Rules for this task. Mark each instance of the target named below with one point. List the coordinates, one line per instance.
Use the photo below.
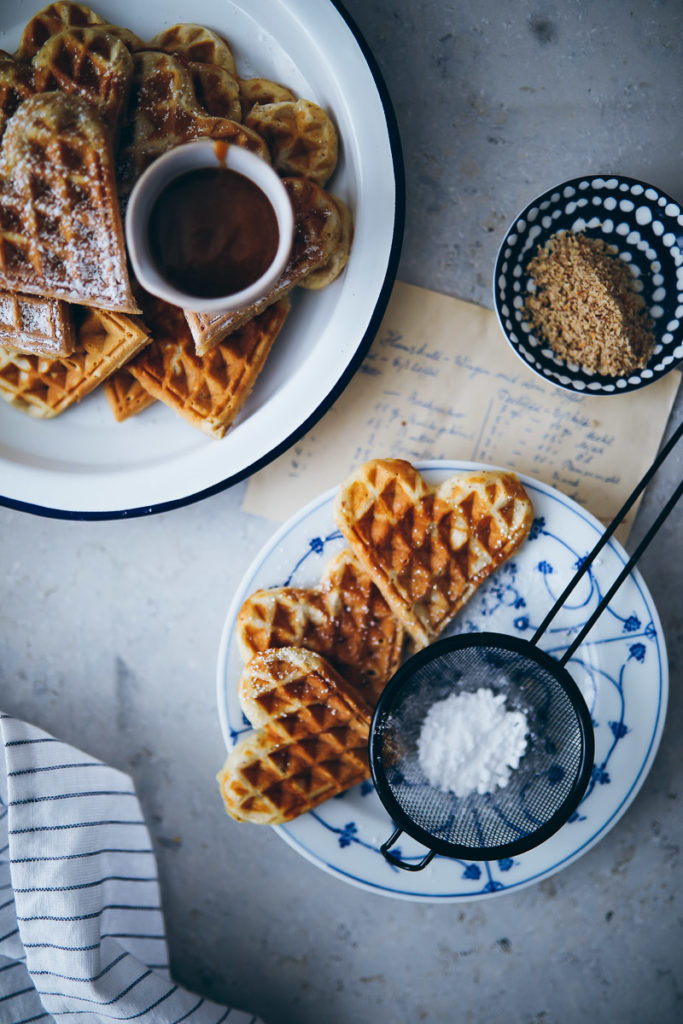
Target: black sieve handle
(396, 861)
(623, 574)
(613, 526)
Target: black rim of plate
(361, 351)
(645, 224)
(382, 712)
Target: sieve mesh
(541, 792)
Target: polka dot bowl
(644, 225)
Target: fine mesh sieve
(542, 792)
(554, 771)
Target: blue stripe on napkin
(81, 926)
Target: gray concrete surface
(109, 631)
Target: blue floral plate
(621, 669)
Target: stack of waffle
(318, 658)
(85, 107)
(310, 739)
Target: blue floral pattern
(620, 668)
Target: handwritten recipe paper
(440, 382)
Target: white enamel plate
(621, 668)
(83, 464)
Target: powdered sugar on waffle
(61, 234)
(30, 323)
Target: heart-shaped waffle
(344, 618)
(301, 138)
(60, 226)
(428, 549)
(208, 391)
(196, 43)
(89, 62)
(164, 112)
(53, 19)
(311, 739)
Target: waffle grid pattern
(209, 390)
(34, 325)
(344, 618)
(60, 228)
(310, 744)
(56, 17)
(301, 137)
(165, 113)
(126, 397)
(426, 549)
(91, 63)
(196, 44)
(44, 387)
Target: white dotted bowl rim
(522, 235)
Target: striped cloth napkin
(81, 928)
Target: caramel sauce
(212, 232)
(220, 148)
